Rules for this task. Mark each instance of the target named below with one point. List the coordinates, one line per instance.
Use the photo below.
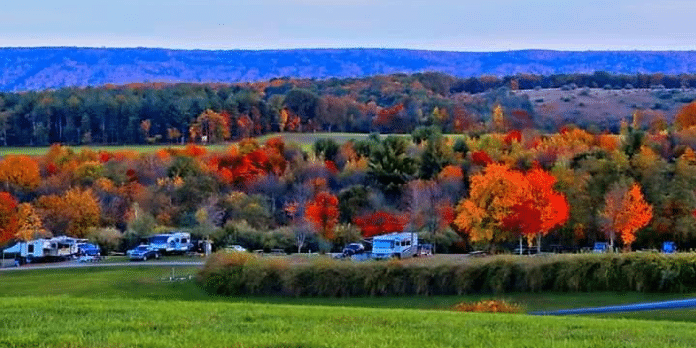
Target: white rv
(53, 249)
(171, 243)
(399, 245)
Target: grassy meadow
(139, 306)
(69, 322)
(152, 283)
(303, 140)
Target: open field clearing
(62, 321)
(41, 150)
(304, 140)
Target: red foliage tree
(481, 158)
(9, 220)
(388, 117)
(513, 136)
(380, 222)
(322, 212)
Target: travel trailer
(171, 243)
(399, 245)
(51, 249)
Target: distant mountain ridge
(23, 69)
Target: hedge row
(245, 274)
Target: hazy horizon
(345, 48)
(491, 26)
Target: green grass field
(70, 322)
(140, 307)
(151, 282)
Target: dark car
(143, 252)
(353, 249)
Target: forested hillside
(24, 69)
(629, 181)
(399, 103)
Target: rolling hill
(23, 69)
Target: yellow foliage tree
(498, 118)
(83, 211)
(30, 224)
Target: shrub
(237, 274)
(492, 306)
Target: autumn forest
(468, 163)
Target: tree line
(171, 113)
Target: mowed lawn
(80, 322)
(153, 283)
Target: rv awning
(16, 249)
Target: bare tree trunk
(539, 243)
(520, 244)
(611, 241)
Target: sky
(483, 25)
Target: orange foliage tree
(625, 211)
(493, 194)
(504, 202)
(9, 221)
(322, 212)
(74, 213)
(686, 117)
(20, 171)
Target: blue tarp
(635, 307)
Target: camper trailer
(171, 243)
(399, 245)
(53, 249)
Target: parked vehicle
(236, 248)
(669, 248)
(142, 252)
(49, 249)
(398, 245)
(171, 243)
(425, 250)
(601, 247)
(353, 249)
(88, 249)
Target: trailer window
(30, 248)
(383, 244)
(183, 240)
(158, 239)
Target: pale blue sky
(483, 25)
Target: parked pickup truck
(143, 252)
